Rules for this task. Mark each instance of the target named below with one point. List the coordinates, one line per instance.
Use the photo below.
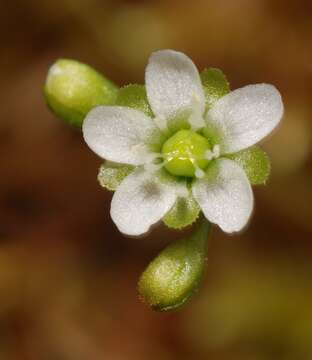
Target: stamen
(216, 151)
(199, 173)
(214, 154)
(209, 155)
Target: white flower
(235, 122)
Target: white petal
(173, 84)
(225, 195)
(141, 200)
(245, 116)
(120, 134)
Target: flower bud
(72, 89)
(175, 274)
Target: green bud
(215, 85)
(72, 89)
(255, 162)
(175, 274)
(134, 96)
(111, 174)
(184, 213)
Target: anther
(214, 154)
(199, 173)
(209, 155)
(216, 151)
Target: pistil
(184, 154)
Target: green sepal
(175, 274)
(255, 162)
(184, 212)
(72, 89)
(111, 174)
(215, 85)
(134, 96)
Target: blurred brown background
(67, 277)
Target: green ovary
(184, 152)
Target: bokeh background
(67, 277)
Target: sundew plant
(181, 148)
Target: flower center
(185, 153)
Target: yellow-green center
(185, 152)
